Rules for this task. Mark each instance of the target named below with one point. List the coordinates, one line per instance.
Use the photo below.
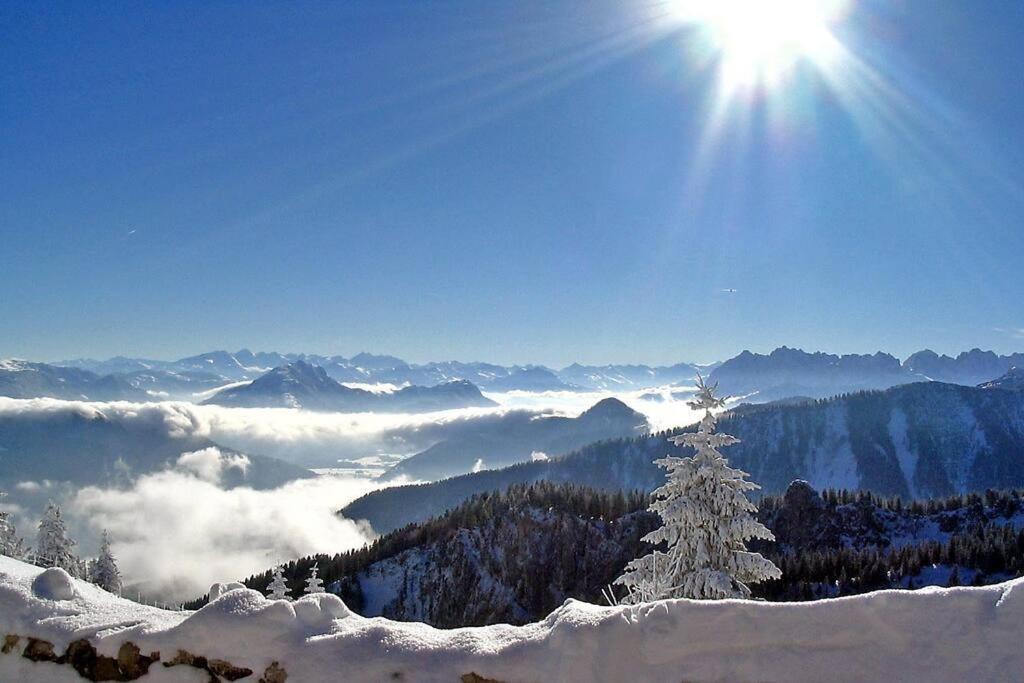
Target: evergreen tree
(313, 583)
(10, 544)
(278, 589)
(53, 547)
(707, 520)
(103, 570)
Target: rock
(53, 584)
(39, 651)
(227, 670)
(10, 642)
(273, 674)
(472, 677)
(132, 663)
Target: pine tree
(313, 583)
(53, 547)
(706, 521)
(103, 570)
(10, 544)
(278, 589)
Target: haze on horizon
(509, 183)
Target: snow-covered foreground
(931, 634)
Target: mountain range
(518, 436)
(915, 440)
(301, 385)
(785, 372)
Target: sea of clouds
(178, 530)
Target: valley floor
(931, 634)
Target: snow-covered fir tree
(10, 544)
(53, 546)
(278, 589)
(103, 570)
(313, 583)
(700, 550)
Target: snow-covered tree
(313, 583)
(278, 589)
(10, 544)
(700, 550)
(103, 570)
(53, 547)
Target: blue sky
(515, 182)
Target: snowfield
(931, 634)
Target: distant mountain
(915, 440)
(1013, 380)
(371, 368)
(791, 372)
(627, 377)
(22, 379)
(301, 385)
(518, 436)
(89, 448)
(529, 379)
(970, 367)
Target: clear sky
(508, 181)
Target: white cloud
(537, 456)
(209, 464)
(175, 534)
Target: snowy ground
(931, 634)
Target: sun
(758, 42)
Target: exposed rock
(39, 651)
(132, 663)
(10, 642)
(227, 670)
(472, 677)
(217, 668)
(274, 674)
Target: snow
(54, 584)
(931, 634)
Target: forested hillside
(515, 556)
(915, 441)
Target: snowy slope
(931, 634)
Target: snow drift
(935, 634)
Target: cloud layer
(176, 532)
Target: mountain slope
(916, 440)
(301, 385)
(516, 437)
(22, 379)
(969, 367)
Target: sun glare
(758, 42)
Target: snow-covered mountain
(1013, 380)
(915, 440)
(55, 628)
(301, 385)
(969, 367)
(789, 372)
(629, 377)
(22, 379)
(518, 436)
